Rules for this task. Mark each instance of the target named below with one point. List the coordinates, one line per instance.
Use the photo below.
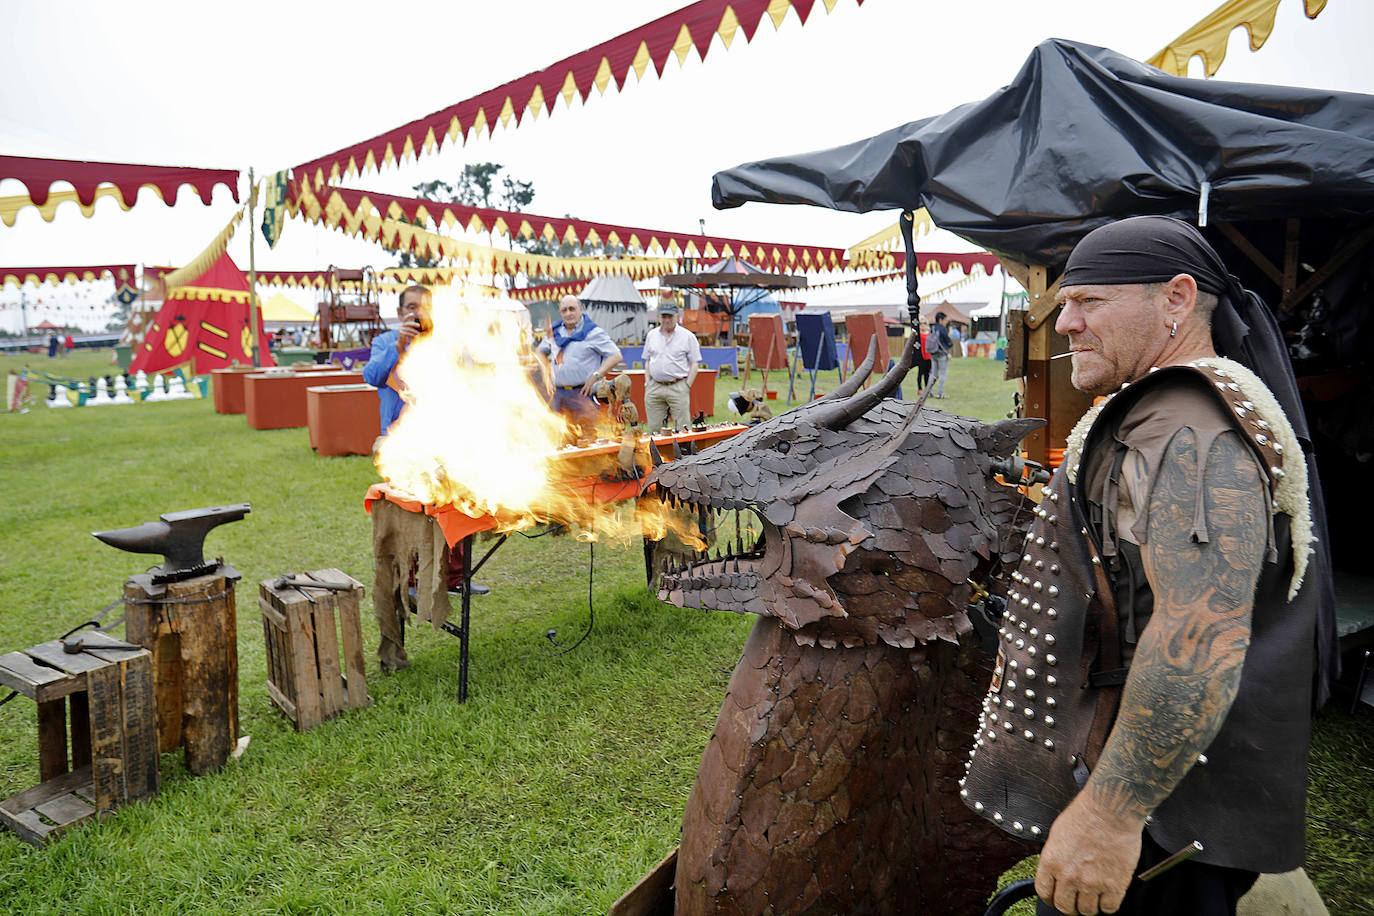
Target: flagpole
(252, 270)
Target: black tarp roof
(1084, 136)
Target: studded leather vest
(1060, 667)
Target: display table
(228, 384)
(703, 397)
(343, 419)
(277, 400)
(408, 533)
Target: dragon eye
(783, 447)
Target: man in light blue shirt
(386, 353)
(579, 354)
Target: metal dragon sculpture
(831, 781)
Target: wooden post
(190, 627)
(253, 323)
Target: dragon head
(872, 515)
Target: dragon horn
(855, 406)
(859, 376)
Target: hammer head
(179, 537)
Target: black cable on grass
(552, 635)
(1346, 827)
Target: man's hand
(589, 386)
(1088, 858)
(408, 331)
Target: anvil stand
(190, 627)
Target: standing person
(923, 360)
(1174, 554)
(387, 349)
(939, 344)
(52, 344)
(671, 355)
(580, 353)
(69, 345)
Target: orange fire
(477, 433)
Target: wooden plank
(21, 673)
(282, 701)
(351, 630)
(65, 810)
(107, 739)
(79, 709)
(302, 634)
(1248, 248)
(652, 895)
(52, 739)
(25, 823)
(327, 655)
(53, 654)
(143, 764)
(67, 782)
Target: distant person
(939, 345)
(671, 355)
(923, 359)
(69, 344)
(387, 348)
(578, 353)
(956, 338)
(52, 344)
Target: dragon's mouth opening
(740, 537)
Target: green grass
(552, 790)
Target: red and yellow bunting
(348, 208)
(123, 274)
(573, 78)
(91, 180)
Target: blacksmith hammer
(179, 537)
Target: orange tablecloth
(228, 384)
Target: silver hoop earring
(1174, 331)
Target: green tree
(480, 184)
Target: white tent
(615, 304)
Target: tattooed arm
(1184, 676)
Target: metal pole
(252, 270)
(465, 555)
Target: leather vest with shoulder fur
(1075, 605)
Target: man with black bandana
(1154, 681)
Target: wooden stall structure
(98, 704)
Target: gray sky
(272, 84)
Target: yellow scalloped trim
(1209, 36)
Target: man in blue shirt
(581, 354)
(939, 344)
(386, 353)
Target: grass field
(552, 790)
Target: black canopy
(1084, 136)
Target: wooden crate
(314, 649)
(103, 698)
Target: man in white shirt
(671, 355)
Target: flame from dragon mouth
(722, 567)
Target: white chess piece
(141, 381)
(176, 388)
(121, 395)
(60, 398)
(159, 390)
(102, 394)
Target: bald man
(579, 354)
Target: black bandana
(1155, 249)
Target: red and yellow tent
(204, 322)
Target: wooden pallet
(314, 649)
(103, 698)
